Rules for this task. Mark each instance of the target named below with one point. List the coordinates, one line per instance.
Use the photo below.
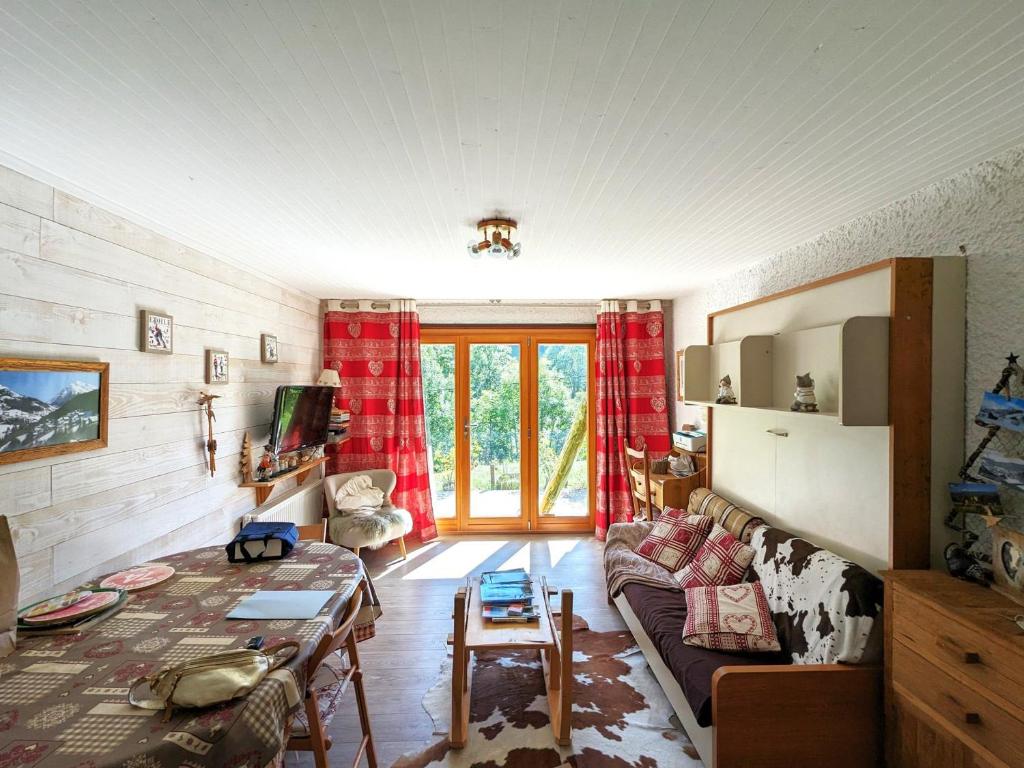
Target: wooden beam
(910, 413)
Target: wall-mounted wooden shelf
(849, 362)
(264, 488)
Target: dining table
(64, 696)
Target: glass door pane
(494, 431)
(437, 362)
(563, 487)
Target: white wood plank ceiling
(347, 148)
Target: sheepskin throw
(371, 530)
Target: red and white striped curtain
(631, 399)
(375, 348)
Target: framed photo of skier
(157, 332)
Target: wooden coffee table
(474, 633)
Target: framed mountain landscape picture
(51, 407)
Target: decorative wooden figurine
(206, 402)
(265, 469)
(725, 394)
(805, 401)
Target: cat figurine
(805, 401)
(725, 394)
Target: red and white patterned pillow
(721, 560)
(730, 618)
(675, 538)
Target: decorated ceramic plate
(99, 600)
(51, 604)
(135, 579)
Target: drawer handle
(968, 657)
(972, 718)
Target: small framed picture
(680, 376)
(268, 348)
(157, 332)
(1008, 562)
(216, 366)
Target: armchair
(374, 529)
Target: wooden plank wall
(74, 280)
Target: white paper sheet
(280, 604)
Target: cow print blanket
(620, 714)
(826, 609)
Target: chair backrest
(332, 641)
(384, 479)
(638, 472)
(315, 532)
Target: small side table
(474, 633)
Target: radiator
(302, 506)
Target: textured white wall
(981, 208)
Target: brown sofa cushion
(736, 520)
(663, 616)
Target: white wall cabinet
(849, 362)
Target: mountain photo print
(45, 411)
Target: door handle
(778, 432)
(466, 427)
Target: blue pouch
(262, 541)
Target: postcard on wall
(50, 407)
(999, 411)
(1002, 469)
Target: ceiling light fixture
(496, 239)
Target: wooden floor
(402, 662)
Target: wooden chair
(315, 532)
(638, 472)
(326, 681)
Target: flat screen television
(301, 417)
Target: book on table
(507, 596)
(515, 576)
(504, 594)
(514, 613)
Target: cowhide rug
(620, 714)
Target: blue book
(515, 576)
(504, 594)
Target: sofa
(817, 702)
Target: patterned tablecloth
(63, 698)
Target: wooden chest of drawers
(954, 674)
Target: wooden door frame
(587, 336)
(529, 521)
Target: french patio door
(510, 423)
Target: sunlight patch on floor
(559, 548)
(521, 559)
(394, 565)
(458, 560)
